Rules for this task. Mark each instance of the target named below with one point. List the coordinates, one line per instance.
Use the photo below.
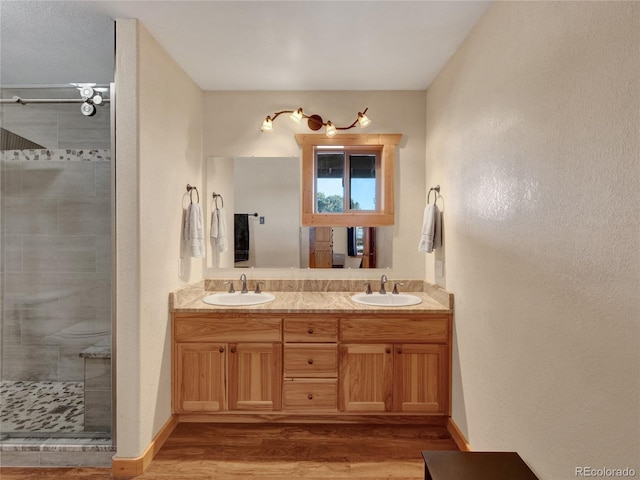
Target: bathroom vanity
(310, 355)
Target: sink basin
(386, 299)
(238, 299)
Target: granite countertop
(310, 296)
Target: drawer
(310, 330)
(197, 328)
(311, 395)
(433, 329)
(310, 360)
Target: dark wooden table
(448, 465)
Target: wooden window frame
(385, 215)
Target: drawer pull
(310, 331)
(310, 361)
(221, 349)
(310, 396)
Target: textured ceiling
(243, 45)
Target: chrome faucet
(383, 280)
(243, 279)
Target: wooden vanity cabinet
(226, 363)
(410, 375)
(312, 364)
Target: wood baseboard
(132, 467)
(329, 418)
(457, 436)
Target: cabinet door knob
(310, 361)
(221, 349)
(310, 396)
(399, 350)
(310, 331)
(233, 350)
(388, 350)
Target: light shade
(363, 120)
(331, 130)
(296, 116)
(267, 125)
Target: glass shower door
(55, 211)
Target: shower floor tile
(41, 407)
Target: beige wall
(159, 144)
(532, 132)
(232, 128)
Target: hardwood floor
(283, 451)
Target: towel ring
(215, 199)
(190, 189)
(436, 189)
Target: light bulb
(331, 130)
(296, 116)
(267, 125)
(363, 120)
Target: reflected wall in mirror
(270, 187)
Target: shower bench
(97, 387)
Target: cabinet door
(200, 377)
(255, 376)
(365, 378)
(421, 379)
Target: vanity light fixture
(315, 122)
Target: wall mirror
(262, 204)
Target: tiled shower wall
(56, 239)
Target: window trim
(384, 215)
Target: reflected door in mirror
(320, 247)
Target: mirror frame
(384, 216)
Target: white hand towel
(215, 223)
(431, 236)
(219, 229)
(194, 230)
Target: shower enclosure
(56, 268)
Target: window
(348, 179)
